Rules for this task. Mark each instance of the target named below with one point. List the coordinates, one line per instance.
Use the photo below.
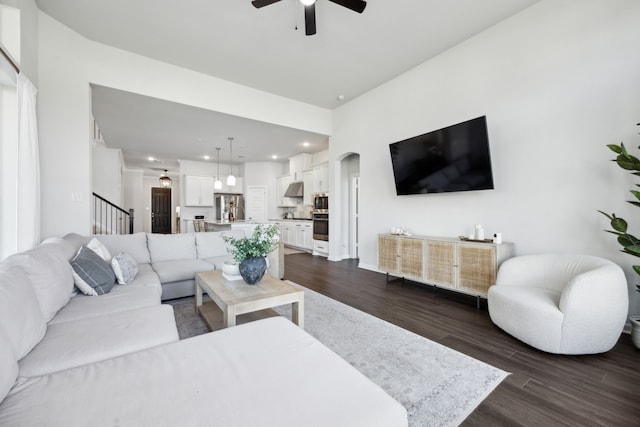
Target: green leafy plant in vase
(250, 252)
(620, 227)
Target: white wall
(557, 82)
(27, 40)
(107, 173)
(65, 130)
(134, 197)
(69, 63)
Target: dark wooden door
(161, 210)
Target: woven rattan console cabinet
(468, 267)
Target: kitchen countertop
(292, 220)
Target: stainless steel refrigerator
(229, 207)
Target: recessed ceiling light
(340, 97)
(274, 157)
(151, 159)
(306, 144)
(206, 157)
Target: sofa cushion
(238, 376)
(77, 240)
(71, 344)
(20, 313)
(121, 298)
(124, 267)
(8, 366)
(186, 269)
(133, 244)
(211, 245)
(169, 247)
(146, 277)
(92, 271)
(65, 247)
(47, 268)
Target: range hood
(295, 189)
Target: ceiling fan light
(307, 2)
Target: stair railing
(109, 218)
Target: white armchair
(561, 303)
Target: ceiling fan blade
(355, 5)
(310, 19)
(262, 3)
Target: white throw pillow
(98, 247)
(125, 268)
(84, 287)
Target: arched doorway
(349, 205)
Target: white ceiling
(146, 127)
(260, 48)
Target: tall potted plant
(630, 244)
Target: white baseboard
(370, 267)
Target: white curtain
(28, 224)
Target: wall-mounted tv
(455, 158)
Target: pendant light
(231, 180)
(218, 184)
(165, 181)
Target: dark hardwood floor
(542, 390)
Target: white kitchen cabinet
(198, 190)
(321, 178)
(238, 188)
(298, 164)
(282, 185)
(297, 234)
(304, 236)
(286, 231)
(307, 179)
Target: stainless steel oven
(321, 226)
(321, 202)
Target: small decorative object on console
(263, 240)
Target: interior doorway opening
(349, 205)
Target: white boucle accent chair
(561, 303)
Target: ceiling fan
(310, 10)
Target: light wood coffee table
(235, 297)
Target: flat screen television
(455, 158)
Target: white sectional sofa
(174, 258)
(68, 359)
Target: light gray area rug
(437, 385)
